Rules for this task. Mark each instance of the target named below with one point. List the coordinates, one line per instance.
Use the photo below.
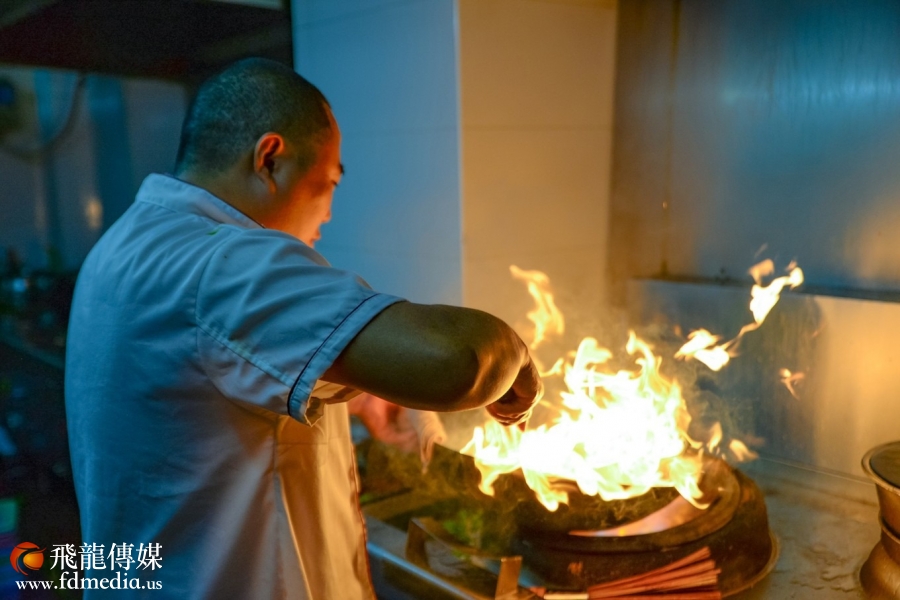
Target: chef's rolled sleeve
(272, 316)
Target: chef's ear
(268, 150)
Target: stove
(823, 524)
(733, 529)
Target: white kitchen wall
(537, 96)
(388, 68)
(477, 134)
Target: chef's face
(313, 190)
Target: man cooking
(211, 351)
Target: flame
(701, 344)
(763, 298)
(545, 316)
(761, 269)
(616, 433)
(556, 369)
(715, 437)
(789, 379)
(741, 452)
(619, 434)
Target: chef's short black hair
(232, 109)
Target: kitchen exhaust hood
(172, 39)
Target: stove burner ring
(678, 512)
(722, 491)
(735, 528)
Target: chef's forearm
(432, 357)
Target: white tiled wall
(389, 71)
(537, 64)
(520, 89)
(536, 100)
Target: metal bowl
(880, 575)
(882, 465)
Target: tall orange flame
(618, 433)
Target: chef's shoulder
(257, 249)
(264, 271)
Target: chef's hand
(514, 407)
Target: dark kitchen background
(643, 153)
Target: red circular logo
(26, 556)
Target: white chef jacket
(196, 341)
